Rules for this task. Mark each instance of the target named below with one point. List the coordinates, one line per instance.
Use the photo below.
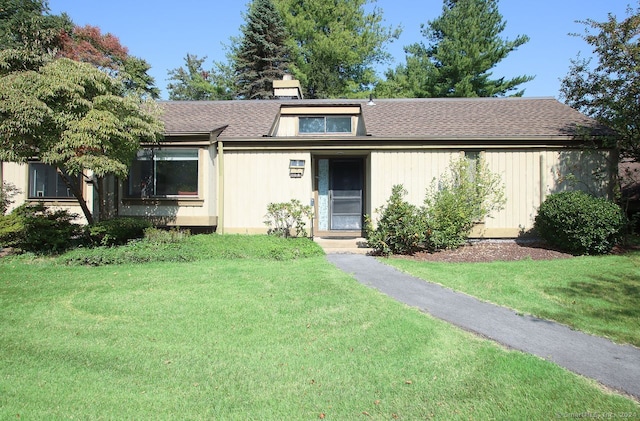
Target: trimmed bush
(401, 227)
(117, 231)
(34, 228)
(579, 223)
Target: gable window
(45, 182)
(164, 172)
(328, 124)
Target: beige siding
(255, 179)
(528, 176)
(415, 170)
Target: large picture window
(328, 124)
(46, 183)
(164, 172)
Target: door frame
(327, 232)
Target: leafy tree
(193, 83)
(87, 44)
(335, 45)
(262, 55)
(464, 45)
(74, 117)
(609, 91)
(27, 24)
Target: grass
(594, 294)
(253, 338)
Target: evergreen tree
(335, 45)
(465, 45)
(262, 55)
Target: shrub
(401, 227)
(580, 223)
(288, 219)
(170, 236)
(35, 228)
(117, 231)
(7, 192)
(469, 193)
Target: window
(164, 172)
(329, 124)
(45, 182)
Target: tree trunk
(77, 193)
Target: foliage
(288, 219)
(116, 231)
(579, 223)
(88, 45)
(609, 90)
(7, 192)
(27, 24)
(262, 55)
(469, 193)
(193, 83)
(335, 44)
(75, 117)
(178, 246)
(465, 44)
(35, 228)
(401, 227)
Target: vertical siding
(415, 170)
(519, 169)
(253, 179)
(18, 175)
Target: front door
(340, 194)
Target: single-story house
(222, 162)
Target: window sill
(186, 200)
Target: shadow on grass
(609, 302)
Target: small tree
(466, 195)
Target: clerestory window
(322, 125)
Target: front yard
(246, 337)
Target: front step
(343, 245)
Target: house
(222, 162)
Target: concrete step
(343, 245)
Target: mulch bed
(489, 251)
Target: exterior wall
(529, 175)
(253, 179)
(18, 175)
(199, 211)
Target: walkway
(616, 366)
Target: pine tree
(465, 45)
(262, 55)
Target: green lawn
(595, 294)
(253, 338)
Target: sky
(162, 32)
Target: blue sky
(163, 32)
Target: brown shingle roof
(390, 118)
